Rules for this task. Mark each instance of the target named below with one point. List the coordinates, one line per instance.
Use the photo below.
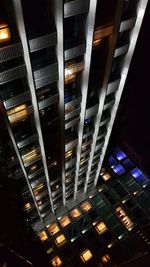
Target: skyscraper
(63, 69)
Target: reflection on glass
(86, 206)
(75, 213)
(53, 229)
(101, 228)
(60, 240)
(86, 255)
(43, 236)
(65, 221)
(5, 35)
(17, 114)
(124, 218)
(56, 261)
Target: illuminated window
(101, 228)
(17, 114)
(43, 236)
(124, 218)
(106, 176)
(53, 229)
(37, 189)
(106, 258)
(65, 221)
(68, 154)
(29, 156)
(49, 251)
(86, 255)
(60, 240)
(86, 206)
(56, 261)
(34, 167)
(27, 206)
(75, 213)
(97, 43)
(5, 35)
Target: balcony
(19, 113)
(12, 74)
(100, 33)
(75, 52)
(71, 70)
(127, 24)
(17, 100)
(72, 112)
(121, 50)
(113, 86)
(42, 42)
(91, 111)
(10, 52)
(32, 156)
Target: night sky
(132, 126)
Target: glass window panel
(105, 258)
(65, 221)
(124, 218)
(101, 228)
(43, 236)
(106, 176)
(53, 229)
(56, 261)
(75, 213)
(86, 206)
(86, 255)
(60, 240)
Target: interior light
(56, 261)
(86, 255)
(4, 33)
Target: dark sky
(132, 126)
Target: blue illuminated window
(118, 169)
(119, 154)
(139, 176)
(112, 161)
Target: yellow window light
(106, 258)
(53, 229)
(75, 213)
(68, 154)
(27, 206)
(43, 236)
(124, 218)
(106, 176)
(65, 221)
(86, 206)
(17, 114)
(60, 240)
(101, 228)
(56, 261)
(5, 35)
(29, 156)
(38, 188)
(86, 255)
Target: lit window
(86, 206)
(56, 261)
(75, 213)
(68, 154)
(37, 189)
(34, 167)
(119, 154)
(86, 255)
(97, 42)
(139, 176)
(27, 206)
(49, 251)
(17, 114)
(29, 156)
(124, 218)
(106, 176)
(43, 236)
(106, 258)
(60, 240)
(53, 229)
(65, 221)
(118, 169)
(4, 33)
(101, 228)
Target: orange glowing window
(75, 213)
(101, 228)
(124, 218)
(86, 206)
(65, 221)
(56, 261)
(37, 189)
(43, 236)
(60, 240)
(86, 255)
(27, 206)
(29, 156)
(106, 176)
(5, 35)
(68, 154)
(53, 229)
(106, 258)
(17, 114)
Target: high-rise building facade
(63, 67)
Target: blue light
(118, 169)
(139, 176)
(119, 154)
(112, 161)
